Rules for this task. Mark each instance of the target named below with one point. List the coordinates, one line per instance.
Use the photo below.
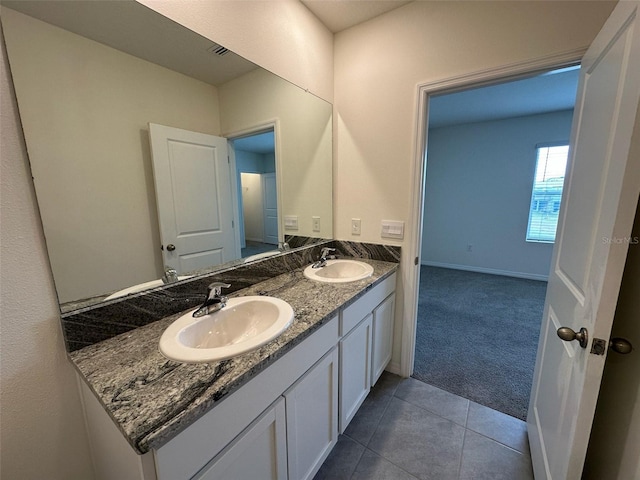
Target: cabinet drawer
(354, 313)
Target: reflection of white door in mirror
(270, 208)
(193, 191)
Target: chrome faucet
(324, 256)
(215, 300)
(170, 275)
(283, 246)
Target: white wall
(282, 36)
(85, 110)
(378, 67)
(42, 432)
(478, 192)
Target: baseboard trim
(393, 367)
(491, 271)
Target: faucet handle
(170, 275)
(326, 251)
(215, 289)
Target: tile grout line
(359, 460)
(464, 439)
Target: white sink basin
(244, 324)
(339, 271)
(259, 256)
(140, 287)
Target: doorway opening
(255, 160)
(482, 272)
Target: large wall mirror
(112, 97)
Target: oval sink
(244, 324)
(339, 271)
(259, 256)
(140, 287)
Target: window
(551, 165)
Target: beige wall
(85, 109)
(303, 143)
(378, 67)
(282, 36)
(42, 433)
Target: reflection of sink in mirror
(140, 287)
(339, 271)
(244, 324)
(258, 256)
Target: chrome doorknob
(567, 334)
(620, 345)
(171, 247)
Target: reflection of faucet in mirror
(215, 300)
(283, 246)
(324, 256)
(170, 275)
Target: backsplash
(94, 324)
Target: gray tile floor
(407, 430)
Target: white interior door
(193, 191)
(270, 208)
(602, 187)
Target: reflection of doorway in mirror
(258, 199)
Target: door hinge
(228, 160)
(233, 224)
(416, 261)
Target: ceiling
(166, 43)
(161, 41)
(548, 92)
(338, 15)
(261, 143)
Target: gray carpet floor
(477, 336)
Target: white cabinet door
(382, 337)
(259, 452)
(312, 417)
(355, 370)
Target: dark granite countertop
(151, 399)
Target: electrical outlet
(316, 223)
(355, 226)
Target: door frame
(266, 126)
(410, 263)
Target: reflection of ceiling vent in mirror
(218, 50)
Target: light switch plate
(355, 226)
(291, 222)
(392, 229)
(316, 223)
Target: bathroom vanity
(272, 413)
